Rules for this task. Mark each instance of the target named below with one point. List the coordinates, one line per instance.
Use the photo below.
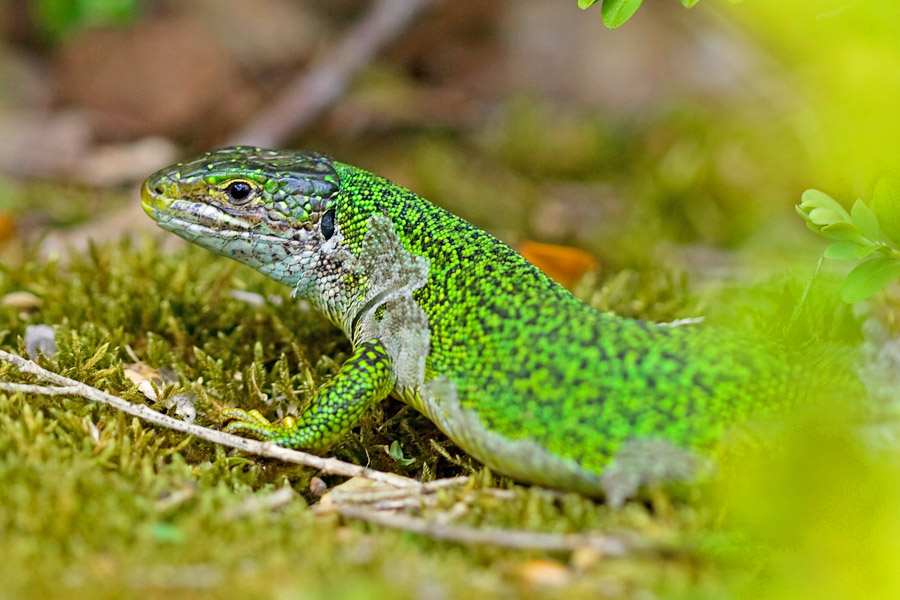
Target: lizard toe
(239, 415)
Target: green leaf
(806, 219)
(863, 217)
(396, 452)
(812, 199)
(825, 216)
(689, 3)
(864, 251)
(844, 231)
(869, 277)
(842, 250)
(616, 12)
(583, 4)
(886, 206)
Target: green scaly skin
(511, 366)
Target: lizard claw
(252, 422)
(245, 416)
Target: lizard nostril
(159, 189)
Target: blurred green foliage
(842, 59)
(57, 19)
(815, 509)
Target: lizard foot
(255, 425)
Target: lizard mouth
(196, 221)
(152, 202)
(210, 225)
(161, 202)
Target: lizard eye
(239, 191)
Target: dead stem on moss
(69, 387)
(489, 536)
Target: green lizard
(515, 370)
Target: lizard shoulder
(393, 274)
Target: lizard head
(268, 209)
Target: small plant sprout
(867, 234)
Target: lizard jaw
(152, 203)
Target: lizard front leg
(365, 378)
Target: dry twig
(69, 387)
(306, 98)
(491, 536)
(379, 494)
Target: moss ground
(96, 504)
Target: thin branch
(37, 390)
(388, 498)
(372, 495)
(71, 387)
(327, 78)
(489, 536)
(798, 309)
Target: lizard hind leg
(365, 378)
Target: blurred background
(685, 135)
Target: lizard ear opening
(327, 224)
